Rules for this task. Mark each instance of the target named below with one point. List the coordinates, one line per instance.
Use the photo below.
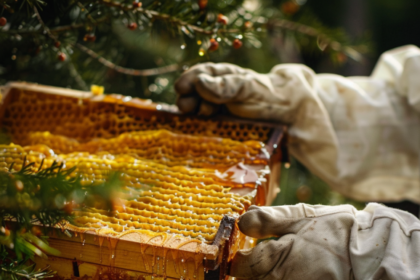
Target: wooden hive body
(98, 253)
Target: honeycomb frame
(88, 120)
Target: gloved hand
(329, 242)
(360, 135)
(248, 94)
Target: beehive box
(195, 177)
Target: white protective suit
(360, 134)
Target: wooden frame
(82, 252)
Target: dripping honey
(174, 162)
(171, 198)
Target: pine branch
(151, 14)
(324, 41)
(105, 62)
(128, 71)
(46, 39)
(46, 196)
(55, 30)
(27, 272)
(170, 19)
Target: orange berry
(62, 56)
(89, 38)
(136, 4)
(289, 8)
(202, 4)
(248, 24)
(3, 21)
(132, 26)
(214, 45)
(237, 43)
(222, 19)
(57, 44)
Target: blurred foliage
(40, 34)
(32, 200)
(299, 185)
(393, 23)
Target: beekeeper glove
(329, 242)
(273, 96)
(360, 135)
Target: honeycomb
(171, 199)
(183, 172)
(181, 176)
(164, 147)
(84, 119)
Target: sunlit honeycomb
(83, 119)
(179, 166)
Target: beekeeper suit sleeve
(361, 135)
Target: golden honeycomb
(84, 120)
(170, 198)
(184, 173)
(164, 147)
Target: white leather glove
(361, 135)
(329, 242)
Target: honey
(164, 147)
(108, 116)
(185, 179)
(169, 198)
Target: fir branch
(21, 271)
(151, 14)
(47, 195)
(46, 29)
(170, 19)
(42, 195)
(25, 195)
(91, 19)
(55, 30)
(44, 37)
(128, 71)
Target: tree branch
(58, 29)
(306, 30)
(128, 71)
(38, 16)
(165, 17)
(149, 13)
(78, 79)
